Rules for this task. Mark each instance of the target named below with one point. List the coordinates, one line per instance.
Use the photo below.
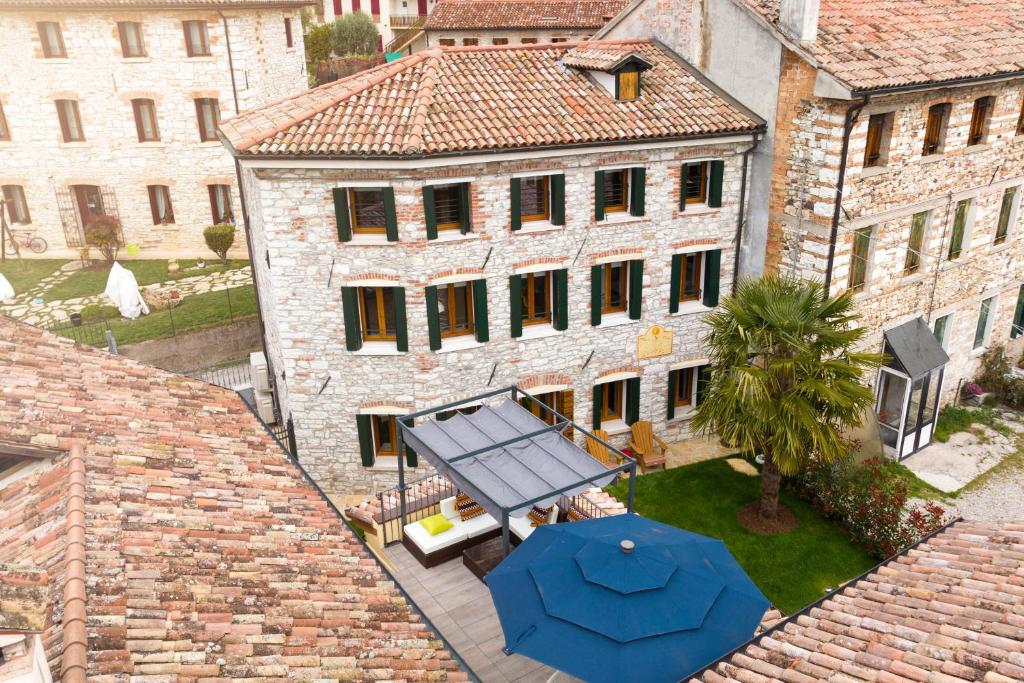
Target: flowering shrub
(104, 233)
(972, 389)
(870, 503)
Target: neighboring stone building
(490, 226)
(399, 22)
(111, 108)
(893, 164)
(504, 22)
(152, 529)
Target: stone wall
(104, 83)
(307, 267)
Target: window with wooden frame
(528, 41)
(614, 287)
(368, 214)
(450, 206)
(470, 42)
(537, 298)
(160, 204)
(859, 254)
(546, 405)
(915, 245)
(208, 118)
(627, 85)
(455, 309)
(197, 38)
(980, 117)
(616, 191)
(1006, 210)
(559, 40)
(51, 39)
(613, 395)
(983, 331)
(683, 396)
(935, 129)
(145, 120)
(499, 41)
(686, 387)
(377, 314)
(691, 280)
(956, 239)
(70, 120)
(534, 204)
(288, 41)
(695, 182)
(220, 203)
(461, 410)
(17, 207)
(877, 142)
(5, 131)
(385, 435)
(130, 33)
(446, 42)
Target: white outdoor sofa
(449, 544)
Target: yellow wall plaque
(655, 342)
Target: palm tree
(785, 377)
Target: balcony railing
(406, 21)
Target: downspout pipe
(741, 214)
(241, 201)
(851, 118)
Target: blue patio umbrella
(623, 598)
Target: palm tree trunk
(771, 481)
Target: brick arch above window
(451, 275)
(373, 280)
(539, 264)
(694, 245)
(619, 373)
(614, 255)
(548, 381)
(384, 408)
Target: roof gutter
(851, 118)
(969, 80)
(73, 661)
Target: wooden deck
(459, 605)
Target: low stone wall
(197, 349)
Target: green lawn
(197, 312)
(791, 569)
(24, 274)
(147, 272)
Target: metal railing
(406, 20)
(233, 374)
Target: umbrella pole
(632, 483)
(504, 531)
(401, 470)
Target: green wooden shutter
(715, 183)
(684, 176)
(636, 288)
(673, 382)
(515, 294)
(1018, 315)
(632, 400)
(350, 312)
(365, 430)
(465, 208)
(596, 285)
(480, 310)
(675, 282)
(390, 217)
(341, 216)
(514, 195)
(712, 276)
(598, 195)
(637, 180)
(429, 216)
(558, 199)
(433, 321)
(703, 378)
(561, 299)
(410, 454)
(596, 421)
(401, 333)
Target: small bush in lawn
(870, 502)
(219, 238)
(96, 312)
(103, 232)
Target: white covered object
(123, 291)
(6, 291)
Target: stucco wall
(486, 37)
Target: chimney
(799, 19)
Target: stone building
(504, 22)
(112, 109)
(399, 22)
(893, 165)
(537, 225)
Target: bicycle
(36, 244)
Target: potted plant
(76, 319)
(172, 265)
(200, 262)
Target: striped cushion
(574, 514)
(467, 507)
(539, 516)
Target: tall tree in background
(355, 34)
(786, 379)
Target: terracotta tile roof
(444, 101)
(208, 554)
(600, 57)
(148, 4)
(950, 609)
(522, 14)
(871, 44)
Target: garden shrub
(319, 42)
(219, 238)
(870, 502)
(104, 233)
(355, 34)
(97, 312)
(997, 378)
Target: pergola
(505, 457)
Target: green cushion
(436, 524)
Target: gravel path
(1000, 499)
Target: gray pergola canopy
(914, 348)
(514, 476)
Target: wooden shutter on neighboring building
(632, 400)
(350, 310)
(673, 379)
(341, 216)
(675, 281)
(637, 180)
(715, 183)
(596, 422)
(401, 333)
(564, 405)
(703, 377)
(365, 429)
(433, 319)
(465, 208)
(557, 199)
(599, 195)
(636, 288)
(515, 289)
(429, 217)
(561, 320)
(712, 276)
(480, 310)
(514, 196)
(596, 282)
(390, 218)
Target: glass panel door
(892, 393)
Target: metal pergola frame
(629, 464)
